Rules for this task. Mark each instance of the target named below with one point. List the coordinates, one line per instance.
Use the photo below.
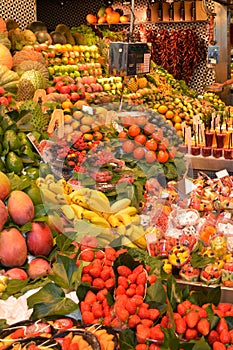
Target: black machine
(127, 59)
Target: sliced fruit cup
(61, 323)
(105, 335)
(84, 339)
(179, 256)
(227, 275)
(34, 343)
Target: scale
(129, 58)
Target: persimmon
(134, 130)
(128, 146)
(150, 157)
(141, 138)
(162, 156)
(151, 145)
(91, 19)
(122, 135)
(162, 109)
(139, 153)
(149, 128)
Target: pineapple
(132, 84)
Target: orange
(177, 119)
(134, 130)
(151, 145)
(162, 156)
(169, 114)
(162, 109)
(178, 126)
(67, 104)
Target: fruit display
(107, 15)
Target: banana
(99, 204)
(114, 221)
(68, 212)
(82, 191)
(124, 218)
(80, 200)
(39, 181)
(121, 230)
(141, 242)
(120, 205)
(98, 194)
(136, 219)
(68, 188)
(62, 198)
(56, 188)
(127, 242)
(130, 210)
(100, 222)
(49, 178)
(89, 214)
(48, 196)
(78, 210)
(102, 242)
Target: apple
(74, 96)
(2, 90)
(64, 89)
(73, 87)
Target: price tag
(222, 173)
(87, 109)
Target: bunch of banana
(52, 191)
(3, 283)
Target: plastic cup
(228, 153)
(220, 137)
(206, 151)
(217, 152)
(209, 137)
(195, 150)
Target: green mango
(32, 172)
(10, 141)
(13, 163)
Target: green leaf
(50, 300)
(64, 244)
(156, 293)
(63, 272)
(198, 260)
(201, 345)
(229, 320)
(201, 297)
(15, 286)
(40, 210)
(127, 260)
(82, 290)
(152, 261)
(171, 342)
(174, 292)
(26, 228)
(127, 339)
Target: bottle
(160, 11)
(193, 11)
(148, 12)
(171, 11)
(182, 11)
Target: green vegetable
(14, 163)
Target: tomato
(140, 139)
(162, 156)
(63, 323)
(139, 153)
(134, 130)
(128, 146)
(122, 135)
(151, 145)
(149, 128)
(150, 156)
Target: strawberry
(141, 279)
(120, 290)
(203, 313)
(107, 321)
(219, 313)
(86, 278)
(146, 322)
(181, 309)
(203, 326)
(123, 270)
(97, 263)
(218, 346)
(224, 336)
(97, 310)
(107, 262)
(88, 317)
(98, 283)
(130, 292)
(132, 277)
(86, 269)
(231, 335)
(224, 307)
(100, 296)
(133, 285)
(153, 346)
(152, 279)
(140, 290)
(213, 336)
(138, 269)
(116, 323)
(122, 281)
(107, 310)
(164, 322)
(156, 333)
(191, 334)
(154, 314)
(133, 321)
(141, 347)
(131, 307)
(105, 273)
(121, 251)
(138, 299)
(110, 253)
(222, 324)
(99, 254)
(230, 347)
(84, 306)
(95, 272)
(143, 312)
(90, 297)
(180, 326)
(121, 300)
(176, 315)
(121, 313)
(192, 318)
(110, 283)
(142, 333)
(187, 304)
(87, 255)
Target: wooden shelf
(209, 163)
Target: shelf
(209, 163)
(151, 22)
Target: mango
(16, 273)
(39, 239)
(20, 207)
(38, 267)
(3, 215)
(13, 248)
(5, 186)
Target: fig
(13, 248)
(38, 267)
(3, 214)
(20, 207)
(39, 239)
(16, 273)
(5, 186)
